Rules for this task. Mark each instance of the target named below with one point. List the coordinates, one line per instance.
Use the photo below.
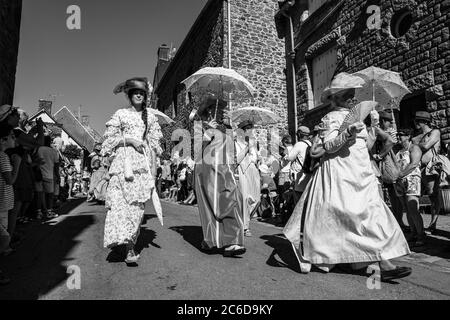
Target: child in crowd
(268, 193)
(70, 179)
(8, 175)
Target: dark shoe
(397, 273)
(234, 252)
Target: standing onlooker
(284, 205)
(70, 180)
(429, 141)
(51, 159)
(23, 187)
(299, 167)
(408, 185)
(383, 146)
(8, 175)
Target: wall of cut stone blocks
(257, 54)
(203, 49)
(421, 56)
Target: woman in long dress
(341, 215)
(218, 195)
(249, 177)
(132, 136)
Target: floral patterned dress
(125, 199)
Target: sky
(118, 40)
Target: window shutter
(323, 68)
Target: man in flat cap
(429, 141)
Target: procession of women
(340, 219)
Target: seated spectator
(265, 209)
(190, 182)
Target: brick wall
(10, 15)
(422, 55)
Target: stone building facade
(407, 36)
(256, 53)
(10, 16)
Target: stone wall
(258, 54)
(10, 16)
(422, 55)
(203, 47)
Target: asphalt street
(172, 266)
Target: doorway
(408, 108)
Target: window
(313, 5)
(323, 68)
(401, 23)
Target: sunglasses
(139, 93)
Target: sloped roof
(77, 130)
(55, 127)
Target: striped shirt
(6, 190)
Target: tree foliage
(72, 152)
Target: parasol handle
(373, 93)
(215, 113)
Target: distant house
(84, 135)
(56, 128)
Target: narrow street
(173, 267)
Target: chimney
(85, 120)
(46, 105)
(164, 52)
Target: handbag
(390, 170)
(439, 165)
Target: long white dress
(249, 181)
(341, 214)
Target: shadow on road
(41, 261)
(435, 247)
(283, 249)
(191, 234)
(146, 237)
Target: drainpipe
(291, 84)
(229, 32)
(290, 59)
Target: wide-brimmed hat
(140, 83)
(423, 115)
(244, 124)
(341, 82)
(5, 111)
(264, 168)
(208, 102)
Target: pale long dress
(341, 213)
(219, 197)
(249, 181)
(125, 199)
